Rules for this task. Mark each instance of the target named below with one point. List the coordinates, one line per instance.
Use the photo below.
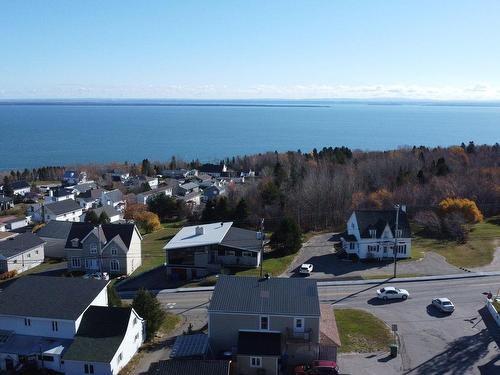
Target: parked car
(443, 304)
(97, 276)
(389, 292)
(306, 269)
(318, 368)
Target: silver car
(443, 304)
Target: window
(230, 253)
(352, 245)
(54, 326)
(114, 265)
(46, 358)
(298, 325)
(247, 253)
(401, 249)
(399, 233)
(264, 323)
(88, 369)
(373, 233)
(136, 337)
(255, 362)
(93, 248)
(372, 248)
(28, 255)
(27, 322)
(75, 263)
(113, 250)
(120, 357)
(36, 251)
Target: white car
(97, 276)
(443, 304)
(389, 292)
(306, 269)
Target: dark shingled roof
(278, 296)
(100, 334)
(19, 244)
(49, 296)
(378, 219)
(259, 343)
(243, 239)
(63, 207)
(189, 367)
(55, 229)
(16, 185)
(81, 230)
(189, 346)
(212, 168)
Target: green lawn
(496, 305)
(477, 252)
(274, 266)
(170, 322)
(361, 331)
(153, 254)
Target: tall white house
(370, 234)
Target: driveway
(320, 252)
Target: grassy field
(361, 331)
(496, 305)
(153, 254)
(170, 322)
(274, 266)
(477, 252)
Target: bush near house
(149, 308)
(8, 275)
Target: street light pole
(261, 247)
(395, 248)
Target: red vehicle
(318, 368)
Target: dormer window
(75, 242)
(399, 233)
(373, 233)
(113, 250)
(93, 248)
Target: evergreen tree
(91, 217)
(241, 211)
(287, 237)
(7, 188)
(104, 218)
(149, 308)
(114, 299)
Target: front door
(298, 325)
(9, 364)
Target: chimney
(198, 231)
(221, 224)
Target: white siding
(38, 326)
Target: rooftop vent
(198, 231)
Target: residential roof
(110, 211)
(188, 367)
(100, 334)
(7, 219)
(55, 229)
(273, 296)
(212, 168)
(19, 244)
(16, 185)
(113, 195)
(5, 199)
(49, 297)
(62, 207)
(243, 239)
(91, 194)
(259, 343)
(208, 234)
(5, 235)
(60, 192)
(378, 219)
(190, 346)
(189, 186)
(161, 189)
(109, 231)
(86, 186)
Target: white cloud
(478, 91)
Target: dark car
(318, 368)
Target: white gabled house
(65, 317)
(20, 253)
(371, 234)
(66, 210)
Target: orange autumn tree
(466, 207)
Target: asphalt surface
(432, 343)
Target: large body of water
(50, 134)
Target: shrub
(466, 207)
(149, 308)
(8, 275)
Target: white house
(20, 187)
(58, 194)
(370, 234)
(21, 252)
(142, 198)
(113, 198)
(66, 317)
(112, 213)
(66, 210)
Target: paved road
(431, 343)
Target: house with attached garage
(66, 210)
(21, 252)
(55, 233)
(196, 251)
(66, 327)
(371, 234)
(112, 248)
(269, 324)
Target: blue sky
(250, 49)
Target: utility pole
(395, 249)
(261, 247)
(99, 248)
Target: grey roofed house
(108, 232)
(187, 367)
(19, 244)
(49, 296)
(273, 296)
(91, 194)
(259, 343)
(100, 334)
(86, 186)
(109, 210)
(16, 185)
(378, 219)
(55, 229)
(62, 207)
(113, 195)
(189, 186)
(190, 346)
(243, 239)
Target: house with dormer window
(371, 234)
(112, 248)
